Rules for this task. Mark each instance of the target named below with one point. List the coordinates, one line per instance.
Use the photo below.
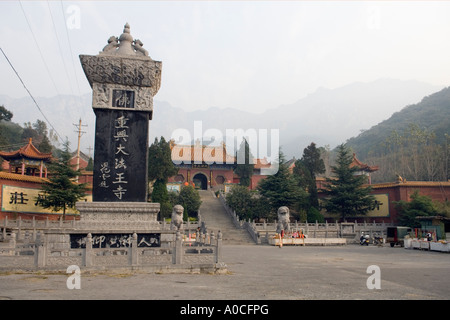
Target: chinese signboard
(20, 199)
(380, 209)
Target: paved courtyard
(261, 273)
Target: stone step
(216, 218)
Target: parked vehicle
(364, 240)
(378, 240)
(396, 235)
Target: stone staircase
(216, 218)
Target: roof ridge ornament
(125, 45)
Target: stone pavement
(260, 273)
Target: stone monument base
(118, 215)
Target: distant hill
(326, 117)
(331, 116)
(431, 113)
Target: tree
(240, 199)
(306, 170)
(90, 165)
(5, 114)
(345, 192)
(189, 198)
(420, 205)
(244, 166)
(312, 160)
(61, 191)
(160, 165)
(45, 145)
(161, 196)
(314, 214)
(281, 189)
(160, 168)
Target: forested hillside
(13, 136)
(413, 143)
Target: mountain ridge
(431, 113)
(326, 116)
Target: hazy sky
(248, 55)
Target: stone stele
(124, 79)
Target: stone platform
(118, 215)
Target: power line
(71, 54)
(35, 102)
(39, 49)
(59, 47)
(11, 145)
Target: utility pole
(90, 149)
(80, 133)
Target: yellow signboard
(20, 199)
(381, 208)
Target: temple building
(364, 169)
(23, 173)
(389, 193)
(207, 167)
(27, 160)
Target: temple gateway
(206, 167)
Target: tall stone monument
(124, 80)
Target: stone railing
(27, 229)
(202, 254)
(238, 223)
(261, 232)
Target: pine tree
(244, 170)
(160, 168)
(281, 189)
(420, 205)
(346, 195)
(315, 165)
(306, 170)
(160, 165)
(61, 191)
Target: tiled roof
(411, 184)
(208, 154)
(20, 177)
(261, 163)
(200, 153)
(362, 166)
(27, 151)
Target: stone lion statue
(138, 46)
(113, 43)
(283, 219)
(177, 217)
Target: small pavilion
(27, 160)
(364, 169)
